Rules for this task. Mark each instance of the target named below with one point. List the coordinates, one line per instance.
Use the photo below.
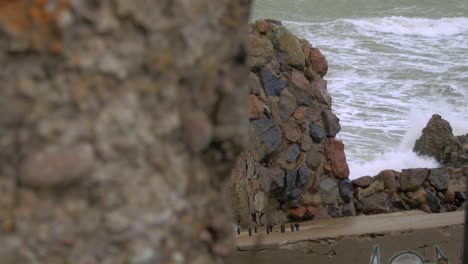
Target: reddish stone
(297, 213)
(310, 74)
(337, 157)
(256, 185)
(318, 62)
(255, 107)
(300, 113)
(262, 26)
(449, 195)
(299, 80)
(311, 211)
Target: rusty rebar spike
(250, 231)
(238, 231)
(268, 230)
(297, 226)
(292, 228)
(255, 229)
(282, 228)
(271, 229)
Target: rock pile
(295, 168)
(430, 190)
(437, 140)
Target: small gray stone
(329, 191)
(346, 190)
(439, 178)
(272, 84)
(304, 174)
(266, 137)
(295, 193)
(293, 153)
(317, 133)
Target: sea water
(392, 64)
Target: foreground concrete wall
(119, 123)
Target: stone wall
(119, 124)
(294, 167)
(430, 190)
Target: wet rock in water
(439, 178)
(317, 133)
(286, 41)
(377, 203)
(329, 191)
(433, 202)
(250, 164)
(346, 190)
(269, 175)
(272, 83)
(412, 179)
(261, 51)
(304, 174)
(287, 104)
(266, 135)
(363, 181)
(318, 62)
(293, 153)
(57, 166)
(255, 107)
(297, 213)
(332, 123)
(337, 157)
(435, 137)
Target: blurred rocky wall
(119, 123)
(294, 167)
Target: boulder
(435, 138)
(255, 87)
(266, 137)
(272, 83)
(303, 174)
(332, 123)
(433, 202)
(349, 209)
(363, 181)
(329, 191)
(286, 41)
(322, 214)
(337, 157)
(320, 93)
(417, 198)
(291, 130)
(375, 187)
(388, 177)
(439, 178)
(318, 62)
(412, 179)
(377, 203)
(260, 51)
(255, 107)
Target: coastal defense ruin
(119, 124)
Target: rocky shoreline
(295, 169)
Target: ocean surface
(392, 64)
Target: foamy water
(390, 69)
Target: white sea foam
(399, 25)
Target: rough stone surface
(120, 120)
(317, 133)
(303, 174)
(411, 179)
(297, 213)
(439, 178)
(329, 191)
(346, 190)
(292, 153)
(433, 202)
(285, 41)
(255, 107)
(261, 51)
(376, 204)
(388, 177)
(318, 62)
(363, 181)
(271, 175)
(332, 123)
(287, 104)
(266, 135)
(272, 83)
(374, 187)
